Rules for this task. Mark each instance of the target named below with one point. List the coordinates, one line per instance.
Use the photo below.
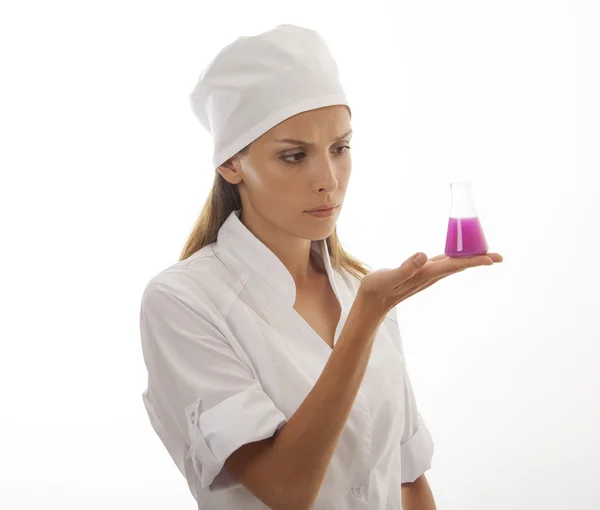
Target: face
(300, 164)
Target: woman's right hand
(386, 288)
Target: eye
(294, 161)
(296, 158)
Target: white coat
(229, 361)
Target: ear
(231, 170)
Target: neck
(294, 252)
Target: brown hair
(223, 199)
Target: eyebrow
(300, 142)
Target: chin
(316, 233)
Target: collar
(234, 239)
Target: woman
(276, 376)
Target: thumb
(419, 259)
(411, 265)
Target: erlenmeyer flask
(465, 236)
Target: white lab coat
(229, 361)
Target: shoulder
(202, 282)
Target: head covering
(256, 82)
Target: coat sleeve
(212, 395)
(416, 444)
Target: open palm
(391, 286)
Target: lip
(324, 213)
(323, 208)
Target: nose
(325, 178)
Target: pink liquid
(465, 238)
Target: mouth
(323, 212)
(323, 208)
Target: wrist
(370, 307)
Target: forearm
(417, 495)
(311, 434)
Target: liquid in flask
(465, 237)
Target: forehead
(329, 120)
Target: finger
(424, 284)
(485, 258)
(440, 266)
(445, 267)
(450, 265)
(429, 282)
(410, 266)
(496, 257)
(429, 275)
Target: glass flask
(465, 236)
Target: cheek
(272, 180)
(344, 176)
(273, 186)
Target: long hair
(223, 199)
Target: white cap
(256, 82)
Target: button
(358, 492)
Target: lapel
(272, 285)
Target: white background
(104, 170)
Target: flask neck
(462, 204)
